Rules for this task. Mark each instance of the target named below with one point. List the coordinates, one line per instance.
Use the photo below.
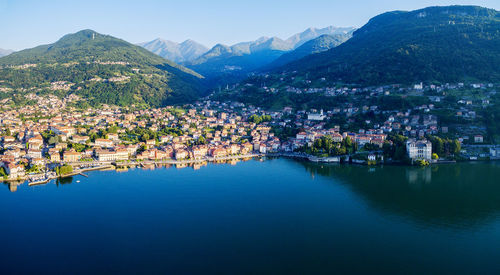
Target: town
(53, 138)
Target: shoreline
(113, 165)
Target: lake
(272, 216)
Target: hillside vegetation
(444, 44)
(100, 69)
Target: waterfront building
(419, 149)
(71, 156)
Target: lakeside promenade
(85, 166)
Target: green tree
(3, 173)
(64, 170)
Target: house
(181, 154)
(199, 152)
(33, 154)
(108, 155)
(336, 137)
(14, 170)
(316, 116)
(478, 139)
(218, 152)
(159, 154)
(419, 149)
(71, 156)
(113, 137)
(372, 157)
(121, 154)
(165, 139)
(105, 143)
(55, 156)
(40, 162)
(8, 139)
(79, 139)
(131, 149)
(263, 148)
(233, 149)
(247, 147)
(60, 146)
(35, 142)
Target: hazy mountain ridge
(4, 52)
(299, 39)
(177, 52)
(320, 44)
(246, 57)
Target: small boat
(77, 181)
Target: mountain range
(236, 61)
(444, 44)
(322, 43)
(177, 52)
(435, 44)
(101, 69)
(246, 57)
(5, 52)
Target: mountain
(320, 44)
(100, 69)
(445, 44)
(235, 62)
(5, 52)
(298, 39)
(240, 58)
(177, 52)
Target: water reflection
(417, 176)
(63, 181)
(124, 167)
(12, 185)
(455, 195)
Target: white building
(419, 149)
(316, 116)
(105, 155)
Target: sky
(29, 23)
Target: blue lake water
(273, 216)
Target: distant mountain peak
(239, 59)
(177, 52)
(4, 52)
(189, 41)
(319, 44)
(298, 39)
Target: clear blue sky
(28, 23)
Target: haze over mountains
(5, 52)
(177, 52)
(250, 56)
(322, 43)
(243, 57)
